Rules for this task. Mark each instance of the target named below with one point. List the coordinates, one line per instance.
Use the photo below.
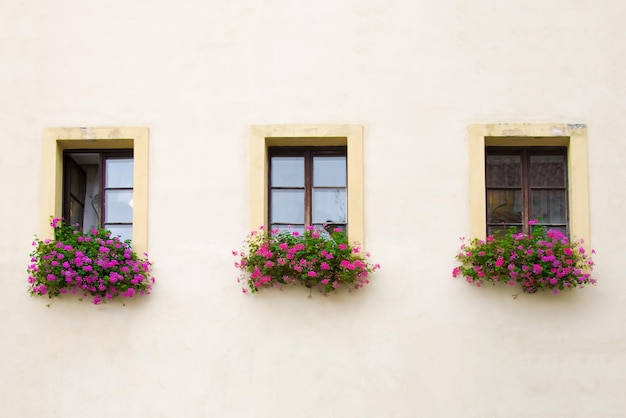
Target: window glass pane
(287, 171)
(329, 205)
(76, 212)
(562, 229)
(288, 206)
(77, 182)
(503, 171)
(118, 206)
(501, 230)
(329, 171)
(549, 206)
(289, 228)
(119, 172)
(328, 227)
(547, 171)
(123, 231)
(504, 206)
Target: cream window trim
(573, 136)
(56, 140)
(264, 136)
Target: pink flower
(325, 281)
(347, 265)
(311, 274)
(343, 246)
(455, 272)
(532, 222)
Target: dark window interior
(525, 184)
(98, 190)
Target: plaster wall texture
(415, 74)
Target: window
(519, 172)
(98, 190)
(307, 186)
(97, 176)
(324, 142)
(523, 184)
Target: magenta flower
(65, 267)
(544, 259)
(290, 257)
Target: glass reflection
(119, 172)
(549, 206)
(329, 205)
(288, 206)
(329, 171)
(504, 206)
(287, 172)
(547, 171)
(503, 171)
(118, 206)
(125, 232)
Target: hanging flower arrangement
(544, 259)
(92, 263)
(315, 259)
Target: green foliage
(91, 263)
(315, 259)
(545, 259)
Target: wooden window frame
(56, 140)
(308, 153)
(264, 136)
(103, 156)
(525, 154)
(570, 135)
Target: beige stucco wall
(415, 75)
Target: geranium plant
(93, 263)
(543, 259)
(315, 259)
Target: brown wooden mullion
(525, 160)
(103, 189)
(308, 187)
